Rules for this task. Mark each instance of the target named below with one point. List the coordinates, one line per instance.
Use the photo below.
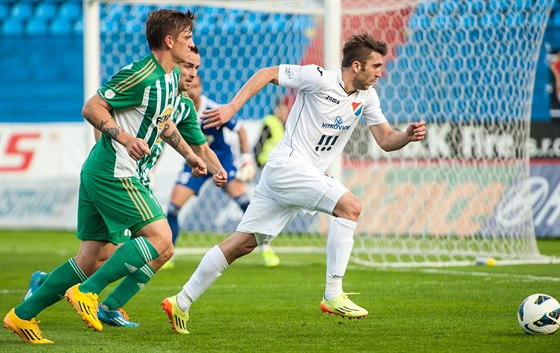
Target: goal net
(465, 67)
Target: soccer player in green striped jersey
(184, 116)
(132, 111)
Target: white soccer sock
(339, 248)
(212, 265)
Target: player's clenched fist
(416, 131)
(137, 148)
(220, 178)
(197, 165)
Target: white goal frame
(370, 250)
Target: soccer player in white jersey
(327, 108)
(133, 112)
(186, 186)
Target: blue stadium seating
(21, 11)
(36, 26)
(78, 27)
(4, 10)
(52, 27)
(45, 11)
(60, 27)
(70, 10)
(12, 27)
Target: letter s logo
(14, 150)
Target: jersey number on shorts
(325, 143)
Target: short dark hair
(162, 23)
(195, 49)
(359, 48)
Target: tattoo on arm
(112, 132)
(100, 125)
(173, 139)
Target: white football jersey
(324, 115)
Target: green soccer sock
(128, 288)
(52, 289)
(127, 259)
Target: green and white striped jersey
(185, 118)
(143, 97)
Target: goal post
(465, 67)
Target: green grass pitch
(255, 309)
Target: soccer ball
(539, 314)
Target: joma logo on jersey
(334, 100)
(337, 124)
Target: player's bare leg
(179, 196)
(236, 190)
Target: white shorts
(286, 187)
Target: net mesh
(466, 67)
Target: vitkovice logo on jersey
(357, 107)
(337, 125)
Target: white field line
(436, 271)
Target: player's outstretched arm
(218, 116)
(171, 136)
(219, 174)
(390, 140)
(98, 113)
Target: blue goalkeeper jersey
(215, 137)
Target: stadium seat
(4, 10)
(70, 10)
(133, 26)
(36, 26)
(555, 21)
(12, 26)
(466, 21)
(419, 22)
(45, 11)
(115, 13)
(522, 5)
(21, 11)
(79, 26)
(432, 8)
(476, 7)
(60, 26)
(500, 5)
(448, 7)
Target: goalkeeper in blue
(328, 106)
(188, 186)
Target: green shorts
(108, 206)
